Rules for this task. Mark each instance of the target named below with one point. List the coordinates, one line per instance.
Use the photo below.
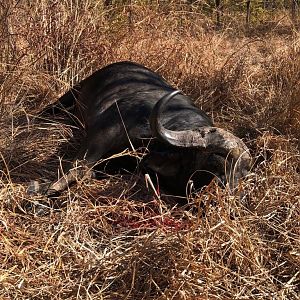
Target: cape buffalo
(126, 105)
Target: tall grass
(113, 239)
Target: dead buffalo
(126, 105)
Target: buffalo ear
(165, 164)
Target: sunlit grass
(114, 239)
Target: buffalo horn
(208, 138)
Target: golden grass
(113, 239)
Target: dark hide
(114, 105)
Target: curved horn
(211, 139)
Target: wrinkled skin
(116, 106)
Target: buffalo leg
(97, 145)
(78, 170)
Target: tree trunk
(107, 2)
(219, 12)
(248, 13)
(294, 9)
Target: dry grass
(113, 239)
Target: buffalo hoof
(38, 188)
